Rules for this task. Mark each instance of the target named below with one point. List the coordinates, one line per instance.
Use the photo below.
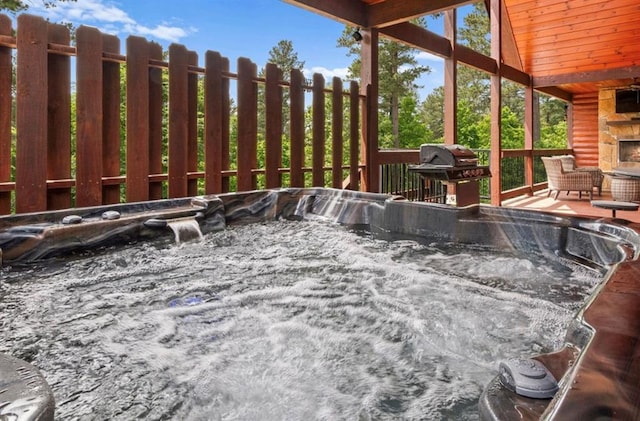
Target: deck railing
(84, 125)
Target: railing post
(318, 131)
(273, 111)
(111, 135)
(247, 124)
(6, 71)
(137, 119)
(296, 98)
(156, 123)
(31, 115)
(336, 133)
(192, 124)
(215, 136)
(354, 136)
(89, 121)
(178, 120)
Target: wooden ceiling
(574, 45)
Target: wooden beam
(515, 75)
(348, 12)
(417, 37)
(388, 13)
(475, 59)
(556, 92)
(627, 72)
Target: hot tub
(594, 364)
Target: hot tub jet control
(528, 377)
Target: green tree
(432, 110)
(286, 58)
(20, 5)
(413, 131)
(398, 73)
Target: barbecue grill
(456, 167)
(449, 162)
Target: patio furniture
(597, 176)
(614, 205)
(560, 180)
(625, 189)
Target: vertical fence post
(178, 124)
(336, 133)
(156, 122)
(89, 117)
(192, 138)
(59, 124)
(273, 111)
(296, 99)
(111, 120)
(5, 116)
(226, 124)
(247, 124)
(137, 119)
(318, 130)
(31, 115)
(354, 135)
(213, 132)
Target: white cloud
(424, 56)
(105, 15)
(167, 33)
(341, 72)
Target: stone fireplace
(618, 135)
(629, 152)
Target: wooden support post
(369, 79)
(530, 100)
(496, 103)
(451, 82)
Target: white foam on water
(284, 320)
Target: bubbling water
(284, 320)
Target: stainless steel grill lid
(449, 162)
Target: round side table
(625, 189)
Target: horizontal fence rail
(150, 124)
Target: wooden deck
(569, 205)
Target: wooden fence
(145, 127)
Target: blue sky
(235, 28)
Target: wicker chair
(597, 176)
(560, 180)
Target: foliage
(20, 5)
(398, 72)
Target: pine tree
(398, 73)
